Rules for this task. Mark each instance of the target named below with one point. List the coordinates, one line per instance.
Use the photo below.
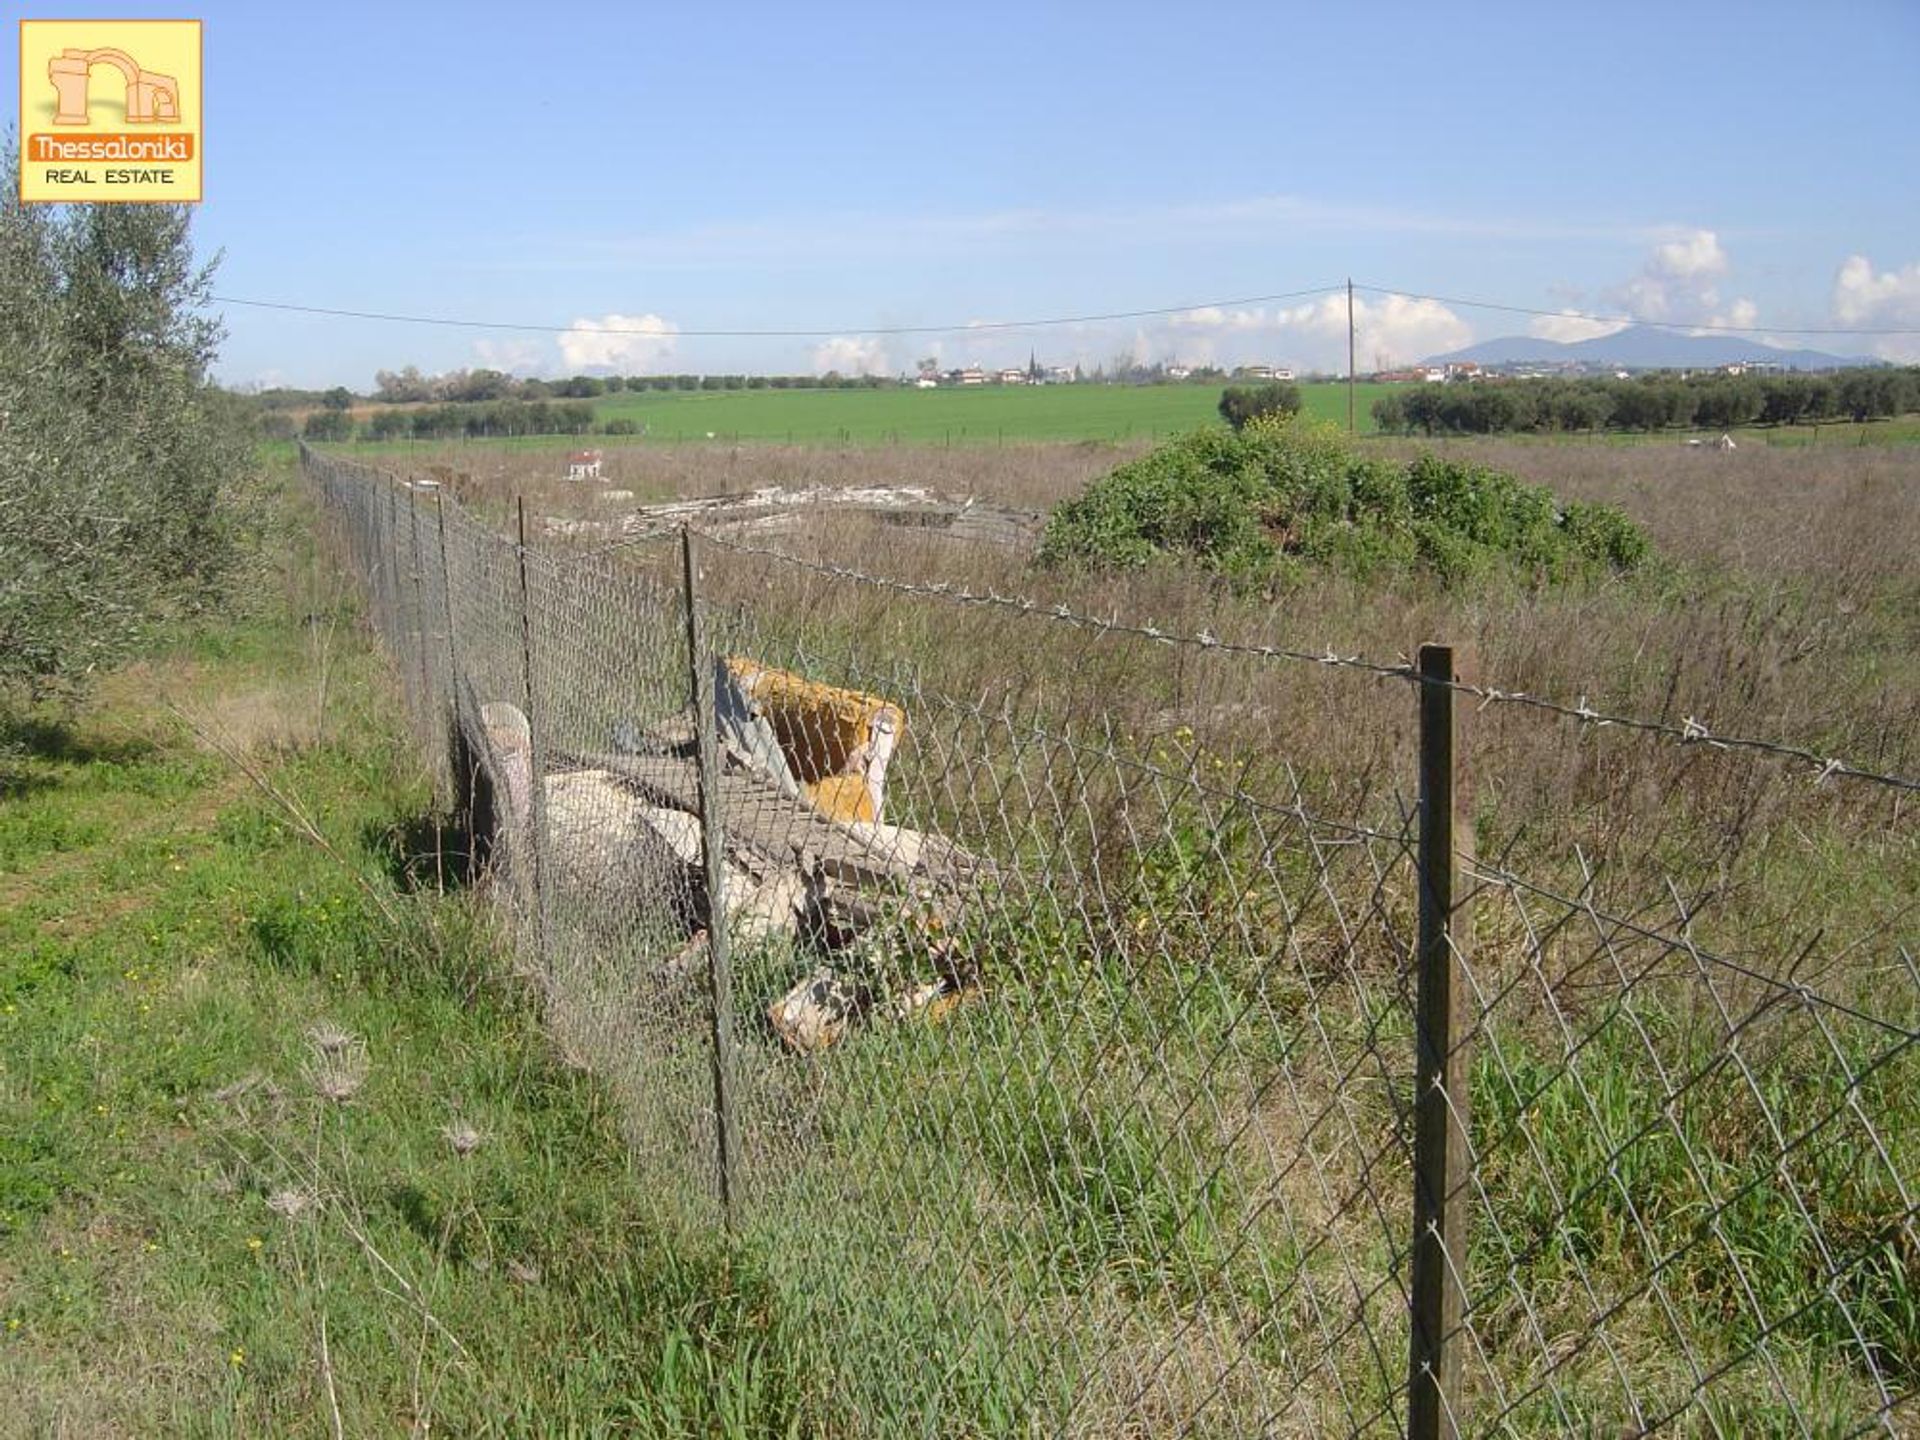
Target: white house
(584, 465)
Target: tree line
(452, 421)
(410, 387)
(1649, 402)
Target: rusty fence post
(1441, 1157)
(713, 848)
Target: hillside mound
(1259, 505)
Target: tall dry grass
(1785, 605)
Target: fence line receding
(1064, 1075)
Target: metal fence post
(425, 709)
(713, 847)
(1440, 1151)
(537, 790)
(460, 763)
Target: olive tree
(118, 461)
(1242, 403)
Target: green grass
(988, 415)
(171, 938)
(1012, 414)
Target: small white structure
(584, 465)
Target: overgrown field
(284, 1149)
(1147, 1172)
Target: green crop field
(985, 415)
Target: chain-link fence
(1078, 1057)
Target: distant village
(932, 377)
(1468, 370)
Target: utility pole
(1351, 430)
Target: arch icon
(152, 99)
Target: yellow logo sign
(98, 124)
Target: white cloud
(1690, 255)
(1388, 330)
(617, 342)
(1874, 299)
(1678, 280)
(852, 355)
(1742, 314)
(1212, 317)
(1863, 297)
(1569, 327)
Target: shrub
(1241, 404)
(1248, 504)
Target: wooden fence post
(713, 848)
(1440, 1149)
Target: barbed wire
(1690, 731)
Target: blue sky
(668, 168)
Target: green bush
(1242, 404)
(1249, 504)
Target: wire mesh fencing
(1072, 1064)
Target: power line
(990, 326)
(1637, 319)
(969, 327)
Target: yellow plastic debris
(838, 742)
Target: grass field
(1013, 414)
(987, 414)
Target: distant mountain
(1642, 347)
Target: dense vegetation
(453, 421)
(117, 457)
(1256, 503)
(1652, 402)
(1240, 404)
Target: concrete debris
(807, 862)
(775, 509)
(815, 1013)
